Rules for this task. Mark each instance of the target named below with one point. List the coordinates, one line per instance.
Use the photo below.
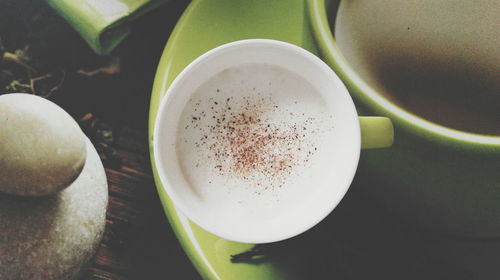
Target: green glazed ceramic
(102, 23)
(204, 25)
(444, 179)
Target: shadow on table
(362, 240)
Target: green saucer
(204, 25)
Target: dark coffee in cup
(436, 63)
(441, 93)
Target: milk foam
(280, 99)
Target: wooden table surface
(109, 96)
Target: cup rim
(365, 94)
(166, 182)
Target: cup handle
(376, 132)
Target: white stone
(54, 237)
(42, 148)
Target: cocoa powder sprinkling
(243, 143)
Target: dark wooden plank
(138, 241)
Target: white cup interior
(242, 215)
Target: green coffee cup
(444, 178)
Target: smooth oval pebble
(42, 147)
(54, 237)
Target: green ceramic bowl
(444, 179)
